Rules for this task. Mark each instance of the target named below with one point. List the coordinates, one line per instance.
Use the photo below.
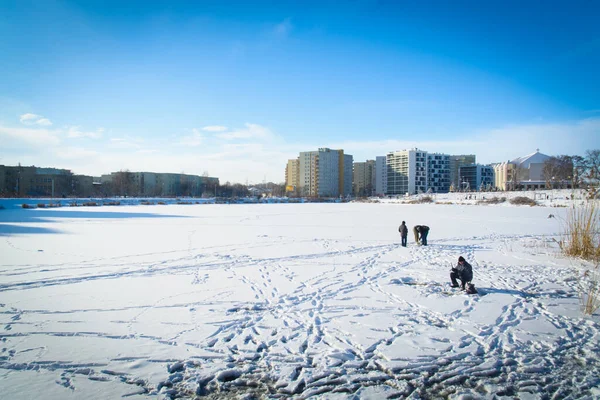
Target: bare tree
(592, 174)
(516, 177)
(123, 183)
(558, 169)
(579, 166)
(550, 171)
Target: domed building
(523, 173)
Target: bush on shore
(493, 200)
(523, 201)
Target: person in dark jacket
(403, 233)
(421, 232)
(463, 271)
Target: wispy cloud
(252, 131)
(32, 136)
(214, 128)
(34, 119)
(283, 29)
(125, 143)
(255, 152)
(74, 153)
(494, 144)
(76, 132)
(193, 140)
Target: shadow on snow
(36, 216)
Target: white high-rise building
(325, 173)
(406, 172)
(380, 176)
(416, 171)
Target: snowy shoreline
(544, 198)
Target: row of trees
(124, 184)
(574, 171)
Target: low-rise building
(476, 177)
(523, 173)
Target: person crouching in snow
(462, 271)
(421, 232)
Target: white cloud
(125, 143)
(214, 128)
(252, 131)
(193, 140)
(32, 136)
(244, 154)
(34, 119)
(491, 145)
(28, 117)
(75, 132)
(74, 153)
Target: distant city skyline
(235, 89)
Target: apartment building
(36, 181)
(406, 172)
(346, 179)
(456, 162)
(292, 175)
(307, 173)
(325, 173)
(150, 184)
(380, 176)
(364, 176)
(476, 177)
(438, 173)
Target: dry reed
(582, 240)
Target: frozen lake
(289, 300)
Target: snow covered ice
(290, 300)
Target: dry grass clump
(421, 200)
(49, 205)
(589, 290)
(493, 200)
(581, 232)
(147, 203)
(582, 240)
(523, 201)
(27, 206)
(162, 203)
(112, 203)
(90, 204)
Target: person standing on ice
(403, 233)
(462, 271)
(421, 232)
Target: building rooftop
(533, 158)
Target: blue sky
(237, 88)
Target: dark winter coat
(403, 230)
(465, 271)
